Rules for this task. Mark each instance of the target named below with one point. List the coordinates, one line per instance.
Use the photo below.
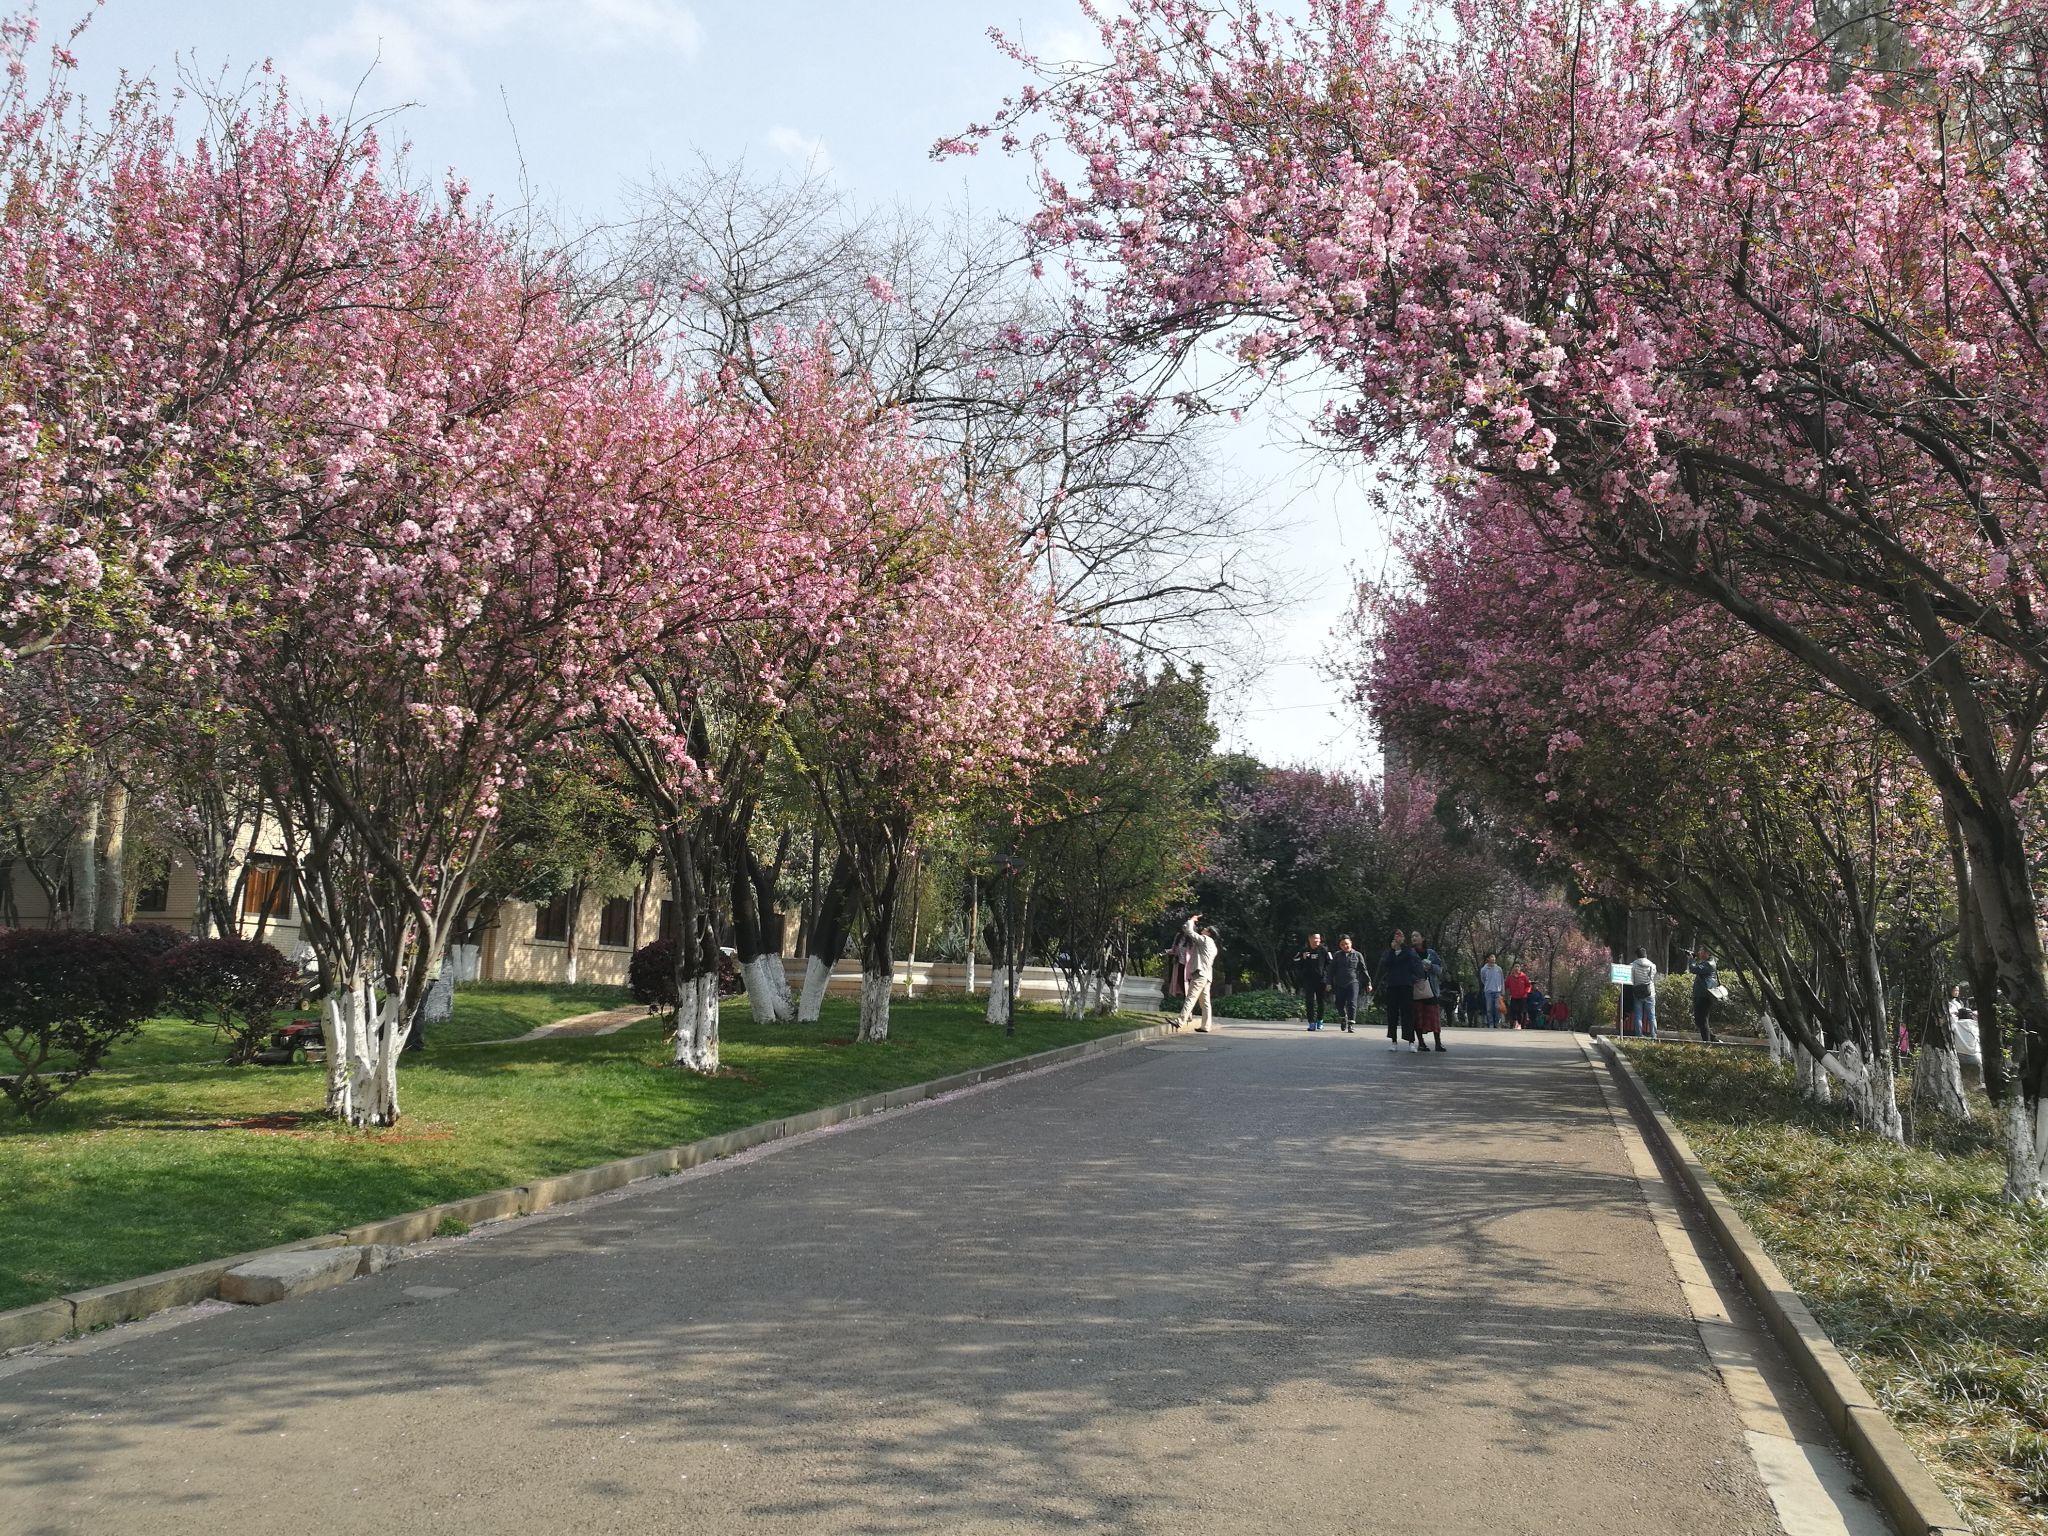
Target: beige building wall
(512, 951)
(180, 906)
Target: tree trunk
(573, 963)
(828, 938)
(877, 976)
(758, 943)
(2015, 1059)
(817, 978)
(364, 1036)
(1814, 1084)
(998, 994)
(875, 987)
(767, 989)
(2026, 1149)
(697, 1024)
(1938, 1082)
(1868, 1082)
(110, 854)
(973, 926)
(84, 860)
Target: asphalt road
(1262, 1282)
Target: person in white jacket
(1201, 967)
(1643, 976)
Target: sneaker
(1393, 1045)
(1416, 1047)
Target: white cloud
(402, 61)
(419, 57)
(804, 149)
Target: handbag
(1718, 993)
(1424, 990)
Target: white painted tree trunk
(697, 1025)
(2026, 1150)
(1814, 1085)
(970, 965)
(569, 971)
(1073, 992)
(767, 989)
(817, 978)
(1938, 1082)
(1869, 1084)
(364, 1038)
(1777, 1041)
(998, 994)
(874, 1005)
(337, 1033)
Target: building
(586, 940)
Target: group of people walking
(1413, 992)
(1408, 980)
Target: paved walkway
(1267, 1282)
(609, 1021)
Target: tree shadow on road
(1137, 1297)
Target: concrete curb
(125, 1301)
(1903, 1485)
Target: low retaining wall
(126, 1300)
(1903, 1485)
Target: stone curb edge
(127, 1300)
(1907, 1490)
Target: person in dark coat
(1350, 982)
(1398, 970)
(1706, 990)
(1312, 975)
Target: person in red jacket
(1518, 996)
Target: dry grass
(1933, 1286)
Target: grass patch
(1933, 1286)
(169, 1157)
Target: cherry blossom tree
(401, 531)
(963, 681)
(1628, 730)
(807, 517)
(1747, 311)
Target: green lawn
(1933, 1286)
(169, 1157)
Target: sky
(581, 100)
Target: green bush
(66, 999)
(236, 987)
(1268, 1004)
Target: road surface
(1265, 1281)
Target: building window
(156, 895)
(551, 921)
(668, 922)
(266, 892)
(615, 923)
